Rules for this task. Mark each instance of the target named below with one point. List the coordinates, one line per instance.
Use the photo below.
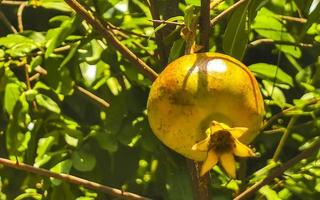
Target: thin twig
(161, 21)
(73, 179)
(26, 71)
(41, 52)
(271, 42)
(34, 77)
(6, 22)
(284, 138)
(61, 49)
(19, 16)
(288, 110)
(13, 3)
(28, 82)
(132, 33)
(162, 50)
(204, 25)
(278, 172)
(226, 12)
(109, 36)
(293, 19)
(273, 131)
(92, 96)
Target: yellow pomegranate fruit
(199, 90)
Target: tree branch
(199, 184)
(204, 24)
(226, 12)
(279, 171)
(73, 179)
(109, 36)
(163, 53)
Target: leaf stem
(72, 179)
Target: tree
(74, 82)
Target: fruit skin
(196, 89)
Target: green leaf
(267, 25)
(191, 16)
(57, 78)
(83, 161)
(72, 136)
(105, 140)
(236, 35)
(54, 4)
(72, 52)
(178, 185)
(176, 49)
(130, 132)
(115, 114)
(285, 194)
(269, 193)
(56, 36)
(44, 146)
(62, 167)
(12, 40)
(96, 49)
(133, 75)
(46, 102)
(194, 2)
(313, 18)
(35, 62)
(114, 85)
(309, 143)
(16, 137)
(268, 71)
(277, 95)
(11, 96)
(18, 45)
(172, 19)
(254, 7)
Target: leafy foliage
(45, 121)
